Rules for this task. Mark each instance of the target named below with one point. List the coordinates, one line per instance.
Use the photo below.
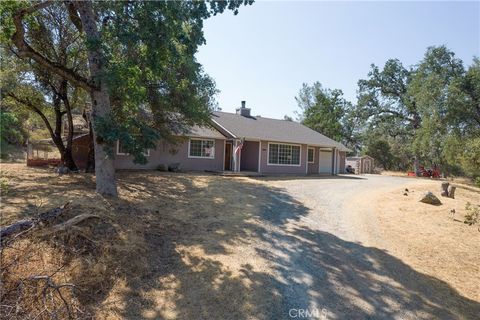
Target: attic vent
(243, 111)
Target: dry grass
(169, 241)
(429, 238)
(468, 182)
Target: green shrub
(162, 167)
(3, 187)
(477, 181)
(473, 214)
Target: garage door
(325, 161)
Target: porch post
(234, 155)
(236, 158)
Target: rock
(405, 193)
(62, 170)
(451, 192)
(430, 198)
(444, 189)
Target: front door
(228, 156)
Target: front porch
(242, 157)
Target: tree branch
(74, 17)
(396, 113)
(31, 106)
(68, 110)
(26, 51)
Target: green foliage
(326, 111)
(429, 112)
(472, 216)
(162, 167)
(4, 186)
(148, 50)
(470, 157)
(134, 135)
(380, 150)
(11, 130)
(477, 181)
(152, 72)
(7, 8)
(151, 60)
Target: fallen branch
(23, 226)
(50, 284)
(75, 220)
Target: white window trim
(310, 148)
(284, 165)
(200, 157)
(146, 154)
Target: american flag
(239, 147)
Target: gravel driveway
(324, 269)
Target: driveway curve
(325, 266)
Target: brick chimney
(243, 110)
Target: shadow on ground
(221, 248)
(309, 269)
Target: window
(201, 148)
(121, 149)
(283, 154)
(311, 155)
(122, 152)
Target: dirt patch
(429, 238)
(183, 245)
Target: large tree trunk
(65, 152)
(68, 160)
(104, 166)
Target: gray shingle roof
(260, 128)
(205, 132)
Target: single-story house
(242, 142)
(363, 164)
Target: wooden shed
(363, 164)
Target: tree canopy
(428, 112)
(326, 111)
(142, 76)
(424, 111)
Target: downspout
(334, 172)
(306, 162)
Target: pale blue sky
(265, 53)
